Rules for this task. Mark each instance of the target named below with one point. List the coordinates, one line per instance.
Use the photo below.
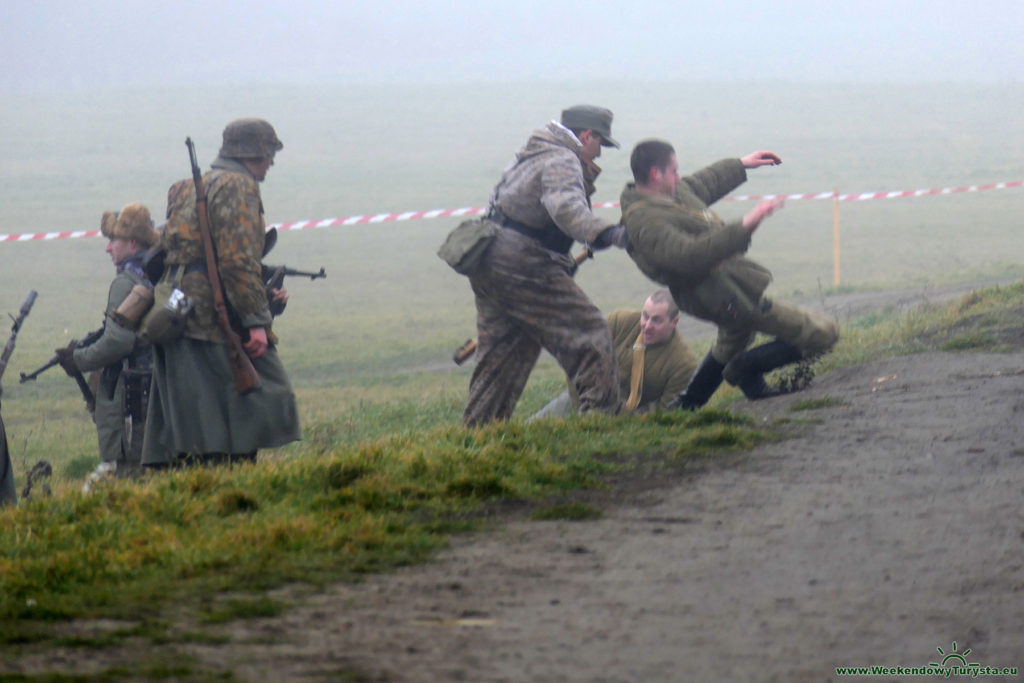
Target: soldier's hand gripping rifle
(274, 279)
(70, 368)
(469, 348)
(9, 348)
(246, 377)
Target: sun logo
(954, 655)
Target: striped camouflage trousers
(526, 300)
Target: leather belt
(550, 238)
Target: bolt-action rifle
(246, 377)
(469, 347)
(274, 279)
(83, 385)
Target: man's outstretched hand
(761, 158)
(760, 212)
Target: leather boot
(702, 385)
(747, 370)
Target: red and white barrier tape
(445, 213)
(880, 195)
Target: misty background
(400, 106)
(57, 45)
(403, 106)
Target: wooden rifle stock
(464, 351)
(469, 348)
(246, 377)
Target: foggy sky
(53, 45)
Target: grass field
(214, 542)
(384, 473)
(375, 338)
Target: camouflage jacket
(545, 186)
(238, 231)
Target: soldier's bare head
(659, 317)
(655, 168)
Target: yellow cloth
(636, 377)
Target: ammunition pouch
(165, 321)
(465, 246)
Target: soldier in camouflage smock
(526, 299)
(195, 411)
(122, 360)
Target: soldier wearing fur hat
(196, 415)
(526, 298)
(121, 359)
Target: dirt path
(885, 528)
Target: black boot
(747, 370)
(702, 385)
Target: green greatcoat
(8, 493)
(107, 355)
(194, 407)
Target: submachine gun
(273, 278)
(83, 385)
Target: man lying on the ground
(655, 362)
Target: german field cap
(588, 117)
(249, 139)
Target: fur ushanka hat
(130, 223)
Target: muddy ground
(886, 528)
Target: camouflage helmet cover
(249, 139)
(130, 223)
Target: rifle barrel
(304, 273)
(38, 371)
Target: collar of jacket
(631, 194)
(133, 264)
(232, 166)
(554, 134)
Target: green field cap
(589, 117)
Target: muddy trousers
(526, 301)
(812, 333)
